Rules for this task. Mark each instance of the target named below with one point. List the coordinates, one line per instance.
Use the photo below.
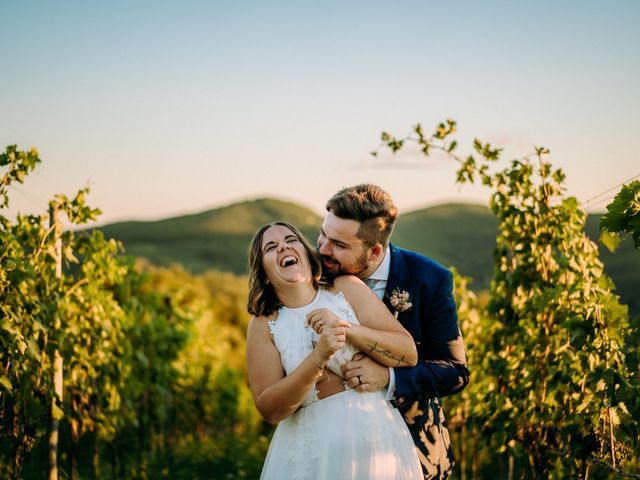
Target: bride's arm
(379, 334)
(275, 394)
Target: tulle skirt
(347, 436)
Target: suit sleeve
(442, 365)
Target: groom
(354, 239)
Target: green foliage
(153, 359)
(44, 313)
(556, 388)
(18, 164)
(475, 441)
(622, 217)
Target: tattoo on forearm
(386, 353)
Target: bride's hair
(262, 296)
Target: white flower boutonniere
(400, 301)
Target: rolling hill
(214, 239)
(460, 235)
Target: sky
(170, 107)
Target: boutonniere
(400, 301)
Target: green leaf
(34, 349)
(615, 419)
(623, 213)
(6, 383)
(610, 240)
(57, 412)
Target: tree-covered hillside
(460, 235)
(214, 239)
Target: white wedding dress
(347, 436)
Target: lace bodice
(295, 341)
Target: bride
(301, 333)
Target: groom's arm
(442, 366)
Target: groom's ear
(376, 252)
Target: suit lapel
(397, 274)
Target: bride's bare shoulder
(259, 324)
(347, 283)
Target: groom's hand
(364, 374)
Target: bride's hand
(332, 331)
(321, 318)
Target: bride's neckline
(294, 309)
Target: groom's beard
(333, 268)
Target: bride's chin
(304, 281)
(296, 279)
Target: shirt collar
(382, 272)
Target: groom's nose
(323, 247)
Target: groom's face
(342, 251)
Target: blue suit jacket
(442, 370)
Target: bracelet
(319, 367)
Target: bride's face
(284, 258)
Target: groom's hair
(371, 206)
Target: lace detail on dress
(295, 341)
(342, 308)
(301, 454)
(374, 430)
(345, 310)
(272, 324)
